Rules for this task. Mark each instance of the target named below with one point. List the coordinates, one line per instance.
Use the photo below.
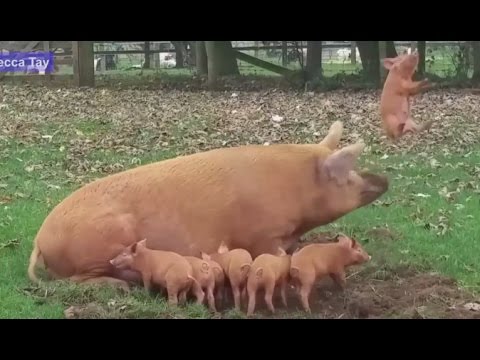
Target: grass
(431, 210)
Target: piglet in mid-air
(316, 261)
(268, 271)
(396, 95)
(164, 268)
(205, 276)
(236, 265)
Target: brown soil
(371, 292)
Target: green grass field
(55, 140)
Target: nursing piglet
(205, 276)
(236, 265)
(164, 268)
(267, 272)
(219, 278)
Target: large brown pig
(252, 197)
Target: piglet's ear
(388, 63)
(353, 243)
(338, 165)
(205, 256)
(346, 241)
(134, 248)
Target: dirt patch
(386, 293)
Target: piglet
(205, 276)
(164, 268)
(267, 272)
(219, 277)
(315, 261)
(236, 265)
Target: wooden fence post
(83, 63)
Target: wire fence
(443, 59)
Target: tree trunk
(212, 62)
(227, 62)
(391, 51)
(422, 48)
(370, 59)
(314, 59)
(192, 55)
(201, 58)
(476, 61)
(179, 53)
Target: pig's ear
(281, 252)
(354, 242)
(205, 256)
(332, 139)
(338, 165)
(388, 63)
(344, 240)
(133, 248)
(223, 248)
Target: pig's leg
(101, 280)
(269, 289)
(412, 126)
(198, 292)
(252, 294)
(211, 298)
(339, 278)
(219, 290)
(236, 294)
(306, 279)
(173, 290)
(182, 298)
(147, 281)
(283, 292)
(394, 126)
(173, 296)
(244, 294)
(304, 294)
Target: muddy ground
(371, 292)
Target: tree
(212, 62)
(201, 58)
(476, 61)
(370, 55)
(314, 59)
(180, 53)
(221, 60)
(422, 48)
